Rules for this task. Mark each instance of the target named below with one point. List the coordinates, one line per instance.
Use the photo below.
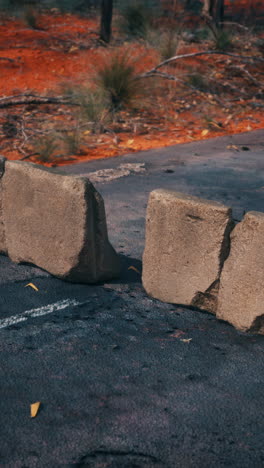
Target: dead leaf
(177, 334)
(229, 117)
(130, 142)
(186, 340)
(232, 147)
(34, 407)
(204, 132)
(216, 124)
(32, 286)
(134, 268)
(73, 49)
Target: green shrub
(222, 41)
(202, 34)
(116, 80)
(165, 42)
(93, 106)
(45, 146)
(198, 81)
(72, 140)
(169, 42)
(135, 19)
(30, 18)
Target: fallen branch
(233, 23)
(244, 58)
(24, 99)
(8, 59)
(27, 156)
(161, 75)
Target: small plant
(201, 34)
(169, 42)
(30, 18)
(93, 106)
(198, 81)
(116, 79)
(165, 42)
(94, 109)
(222, 41)
(45, 147)
(135, 20)
(72, 140)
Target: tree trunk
(106, 20)
(214, 10)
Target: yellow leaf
(134, 268)
(186, 340)
(204, 132)
(87, 132)
(232, 147)
(34, 407)
(130, 142)
(32, 286)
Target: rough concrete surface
(56, 222)
(241, 292)
(187, 241)
(124, 379)
(2, 230)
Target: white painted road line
(48, 309)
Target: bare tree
(106, 20)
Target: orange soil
(67, 50)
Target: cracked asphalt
(126, 381)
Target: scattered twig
(248, 74)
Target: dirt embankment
(65, 51)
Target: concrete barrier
(187, 241)
(241, 293)
(56, 222)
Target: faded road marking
(123, 170)
(48, 309)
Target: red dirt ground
(66, 50)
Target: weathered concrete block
(3, 249)
(187, 241)
(56, 222)
(241, 292)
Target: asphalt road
(124, 380)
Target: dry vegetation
(65, 97)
